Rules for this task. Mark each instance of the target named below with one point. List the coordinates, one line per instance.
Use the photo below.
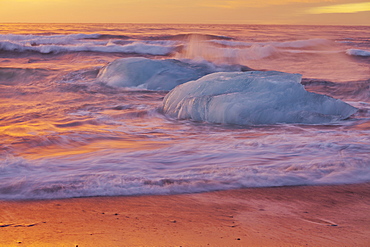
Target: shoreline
(322, 215)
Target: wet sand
(285, 216)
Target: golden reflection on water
(41, 124)
(51, 137)
(101, 145)
(44, 140)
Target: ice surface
(156, 74)
(252, 98)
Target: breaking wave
(23, 180)
(135, 47)
(309, 43)
(188, 36)
(188, 45)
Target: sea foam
(307, 43)
(252, 98)
(132, 48)
(83, 43)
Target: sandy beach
(283, 216)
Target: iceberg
(253, 98)
(154, 74)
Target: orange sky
(342, 12)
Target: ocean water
(66, 133)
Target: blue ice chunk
(252, 98)
(155, 74)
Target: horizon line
(164, 23)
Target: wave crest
(358, 52)
(133, 48)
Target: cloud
(33, 1)
(341, 8)
(231, 4)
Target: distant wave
(302, 43)
(200, 51)
(133, 48)
(107, 36)
(46, 44)
(309, 43)
(48, 39)
(358, 52)
(232, 51)
(59, 37)
(188, 36)
(215, 48)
